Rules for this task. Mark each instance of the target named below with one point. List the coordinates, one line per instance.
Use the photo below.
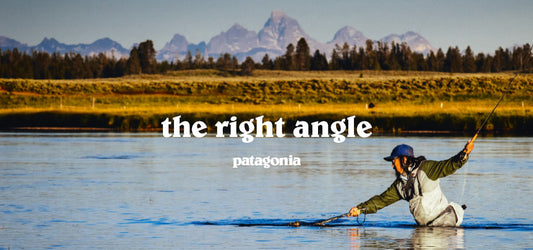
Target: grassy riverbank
(403, 101)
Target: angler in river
(417, 181)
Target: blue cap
(400, 150)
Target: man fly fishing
(417, 181)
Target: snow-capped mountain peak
(414, 40)
(279, 31)
(349, 35)
(236, 39)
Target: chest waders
(427, 202)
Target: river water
(130, 190)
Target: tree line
(42, 65)
(395, 56)
(372, 56)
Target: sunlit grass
(361, 109)
(431, 99)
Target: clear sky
(485, 25)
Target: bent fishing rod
(492, 112)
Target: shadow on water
(111, 157)
(156, 222)
(351, 223)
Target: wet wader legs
(447, 218)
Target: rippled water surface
(105, 190)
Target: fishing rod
(485, 122)
(492, 112)
(323, 222)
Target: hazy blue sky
(483, 24)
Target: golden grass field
(208, 95)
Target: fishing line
(464, 183)
(364, 219)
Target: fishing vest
(427, 202)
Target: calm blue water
(106, 190)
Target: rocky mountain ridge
(278, 32)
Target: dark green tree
(453, 62)
(41, 64)
(133, 65)
(303, 56)
(383, 55)
(289, 58)
(371, 55)
(334, 62)
(521, 57)
(278, 63)
(362, 59)
(344, 60)
(355, 61)
(440, 58)
(267, 62)
(319, 61)
(527, 59)
(469, 62)
(420, 63)
(432, 61)
(56, 68)
(247, 67)
(498, 61)
(147, 55)
(227, 63)
(405, 58)
(482, 63)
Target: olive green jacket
(432, 171)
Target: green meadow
(392, 101)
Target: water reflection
(438, 237)
(420, 238)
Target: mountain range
(278, 32)
(105, 45)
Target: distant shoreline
(431, 124)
